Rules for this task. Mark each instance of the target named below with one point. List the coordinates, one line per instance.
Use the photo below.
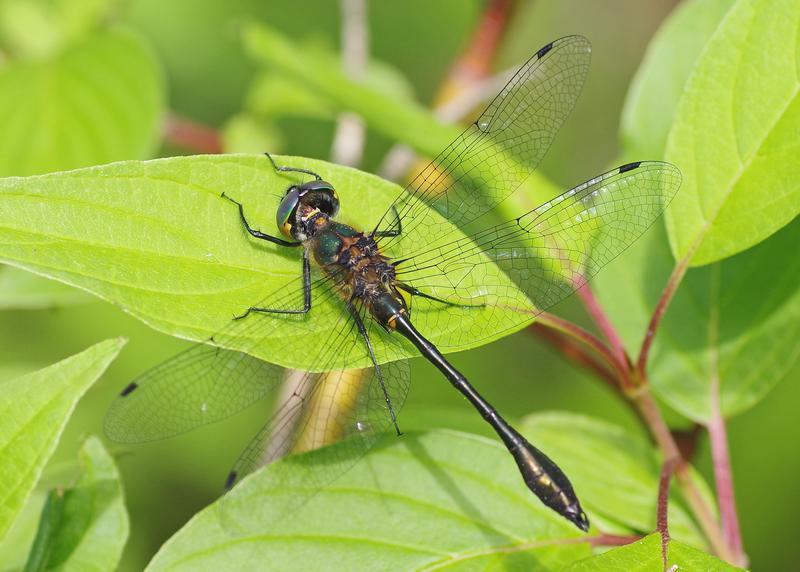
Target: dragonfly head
(307, 199)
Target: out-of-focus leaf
(737, 320)
(615, 473)
(16, 545)
(735, 134)
(33, 412)
(275, 95)
(156, 238)
(96, 101)
(244, 133)
(441, 500)
(659, 83)
(645, 556)
(84, 527)
(38, 28)
(23, 290)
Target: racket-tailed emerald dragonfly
(436, 260)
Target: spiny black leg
(363, 331)
(394, 232)
(284, 169)
(258, 233)
(414, 292)
(306, 294)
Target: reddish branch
(191, 135)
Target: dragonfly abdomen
(541, 475)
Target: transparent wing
(510, 272)
(207, 383)
(490, 159)
(324, 408)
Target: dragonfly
(438, 260)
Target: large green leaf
(737, 320)
(735, 134)
(84, 527)
(645, 556)
(444, 499)
(96, 101)
(615, 473)
(660, 81)
(157, 239)
(33, 412)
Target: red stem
(663, 506)
(598, 315)
(661, 307)
(723, 478)
(191, 135)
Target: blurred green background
(208, 74)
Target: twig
(720, 455)
(662, 522)
(575, 331)
(191, 135)
(574, 351)
(350, 135)
(598, 315)
(661, 307)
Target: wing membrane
(524, 266)
(497, 152)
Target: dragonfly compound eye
(285, 216)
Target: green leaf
(660, 81)
(33, 412)
(157, 239)
(23, 290)
(645, 556)
(737, 320)
(615, 473)
(39, 28)
(443, 500)
(735, 134)
(96, 101)
(85, 527)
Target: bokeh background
(208, 76)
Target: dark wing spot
(629, 167)
(230, 480)
(129, 389)
(541, 53)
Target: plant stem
(662, 522)
(191, 135)
(575, 331)
(661, 307)
(350, 134)
(574, 351)
(598, 315)
(723, 479)
(663, 437)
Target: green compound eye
(284, 217)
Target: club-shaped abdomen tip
(574, 513)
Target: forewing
(490, 159)
(509, 273)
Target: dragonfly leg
(285, 169)
(363, 331)
(306, 295)
(393, 232)
(415, 292)
(258, 233)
